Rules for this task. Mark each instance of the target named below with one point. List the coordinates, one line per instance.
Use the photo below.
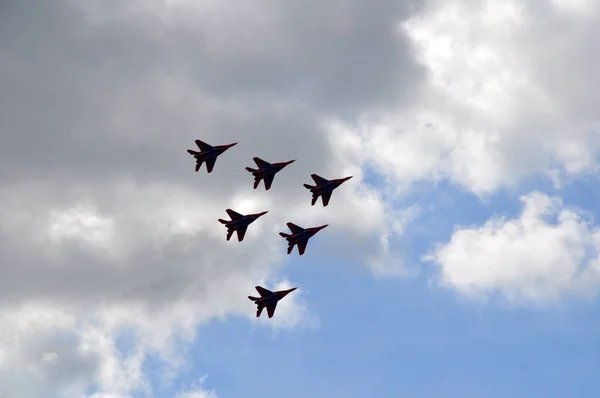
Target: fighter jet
(239, 223)
(299, 236)
(266, 171)
(208, 154)
(324, 188)
(268, 299)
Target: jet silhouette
(299, 236)
(266, 171)
(268, 299)
(208, 154)
(324, 188)
(239, 223)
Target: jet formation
(239, 222)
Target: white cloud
(550, 252)
(513, 92)
(197, 391)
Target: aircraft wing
(302, 246)
(294, 228)
(271, 309)
(233, 214)
(262, 164)
(325, 196)
(203, 146)
(241, 232)
(319, 180)
(268, 181)
(210, 163)
(263, 292)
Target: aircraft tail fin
(308, 186)
(192, 152)
(250, 169)
(253, 298)
(314, 200)
(284, 235)
(223, 221)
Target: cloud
(512, 93)
(549, 253)
(197, 391)
(105, 229)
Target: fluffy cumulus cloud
(106, 231)
(512, 93)
(547, 253)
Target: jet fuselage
(306, 234)
(273, 298)
(246, 220)
(329, 186)
(263, 301)
(273, 169)
(303, 235)
(216, 151)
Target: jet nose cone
(323, 226)
(263, 213)
(347, 178)
(234, 144)
(290, 162)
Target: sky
(461, 260)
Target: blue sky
(405, 337)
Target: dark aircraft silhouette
(266, 171)
(299, 236)
(324, 188)
(268, 299)
(208, 154)
(239, 223)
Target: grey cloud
(567, 67)
(89, 104)
(339, 56)
(97, 110)
(155, 265)
(97, 95)
(514, 96)
(52, 354)
(562, 111)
